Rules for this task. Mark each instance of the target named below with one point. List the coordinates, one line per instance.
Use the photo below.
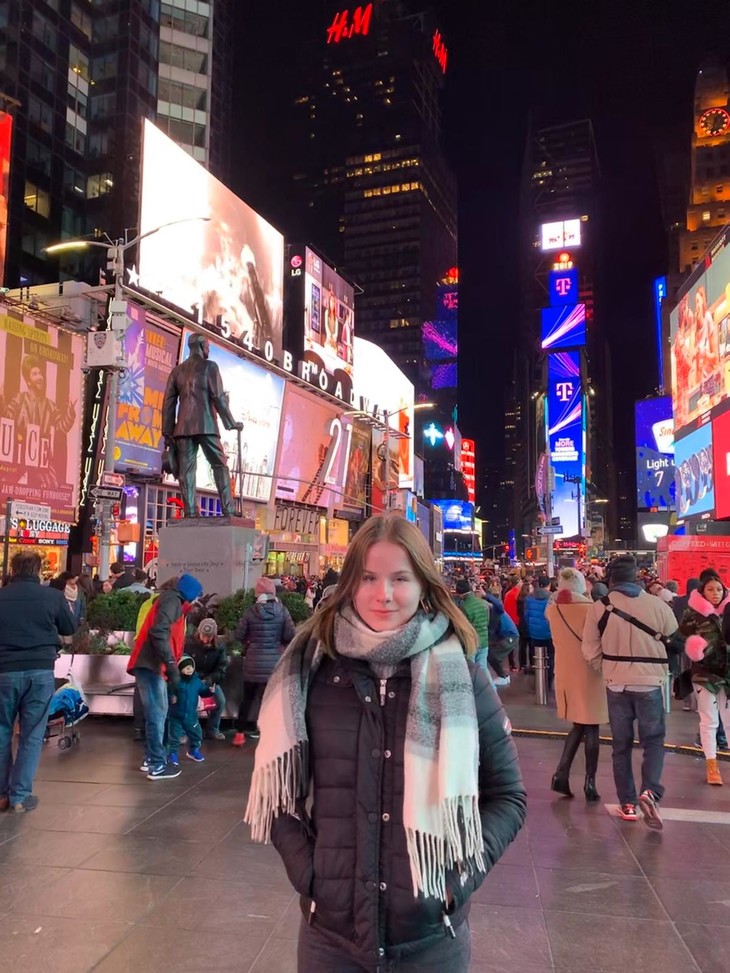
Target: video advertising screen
(444, 376)
(226, 261)
(700, 339)
(440, 340)
(566, 440)
(654, 426)
(255, 397)
(457, 514)
(555, 236)
(721, 464)
(695, 473)
(563, 327)
(329, 316)
(563, 287)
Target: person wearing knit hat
(265, 631)
(579, 692)
(598, 590)
(182, 716)
(211, 664)
(622, 570)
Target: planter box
(96, 674)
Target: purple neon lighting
(567, 322)
(442, 340)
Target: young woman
(706, 647)
(407, 754)
(526, 650)
(580, 694)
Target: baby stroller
(68, 708)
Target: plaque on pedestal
(223, 553)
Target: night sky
(630, 67)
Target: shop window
(37, 199)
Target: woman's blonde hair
(435, 596)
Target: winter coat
(706, 644)
(579, 691)
(536, 624)
(510, 604)
(160, 640)
(211, 660)
(31, 619)
(621, 638)
(477, 611)
(265, 628)
(350, 861)
(186, 695)
(500, 622)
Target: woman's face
(389, 592)
(714, 592)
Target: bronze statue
(195, 389)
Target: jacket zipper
(312, 910)
(449, 927)
(383, 685)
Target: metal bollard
(541, 675)
(668, 693)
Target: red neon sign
(439, 50)
(468, 468)
(6, 130)
(343, 27)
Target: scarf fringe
(461, 846)
(274, 791)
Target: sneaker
(253, 734)
(195, 755)
(650, 811)
(174, 760)
(215, 736)
(4, 803)
(29, 804)
(238, 739)
(164, 772)
(145, 767)
(501, 681)
(628, 812)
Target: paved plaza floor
(115, 873)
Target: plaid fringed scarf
(441, 794)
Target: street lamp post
(115, 251)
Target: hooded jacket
(187, 693)
(477, 611)
(536, 624)
(159, 643)
(264, 629)
(706, 646)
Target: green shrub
(116, 611)
(297, 605)
(231, 609)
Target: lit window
(37, 199)
(706, 215)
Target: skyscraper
(85, 75)
(374, 189)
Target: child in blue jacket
(182, 715)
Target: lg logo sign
(564, 391)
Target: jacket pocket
(294, 841)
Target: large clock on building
(714, 121)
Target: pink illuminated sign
(346, 23)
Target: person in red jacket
(157, 648)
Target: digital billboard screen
(566, 440)
(255, 396)
(329, 316)
(555, 236)
(6, 134)
(151, 353)
(695, 473)
(721, 464)
(563, 287)
(654, 426)
(444, 376)
(440, 340)
(226, 261)
(700, 339)
(563, 327)
(457, 514)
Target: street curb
(681, 748)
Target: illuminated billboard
(555, 236)
(700, 340)
(444, 376)
(440, 340)
(563, 287)
(563, 327)
(314, 452)
(654, 426)
(226, 263)
(6, 134)
(329, 316)
(380, 385)
(566, 440)
(695, 473)
(457, 514)
(151, 353)
(468, 467)
(721, 464)
(255, 397)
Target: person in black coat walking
(406, 752)
(265, 630)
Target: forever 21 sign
(296, 520)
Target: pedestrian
(620, 640)
(680, 604)
(32, 617)
(706, 630)
(579, 692)
(330, 577)
(503, 634)
(477, 612)
(139, 584)
(211, 664)
(120, 576)
(182, 715)
(415, 785)
(598, 590)
(538, 630)
(265, 631)
(526, 648)
(158, 647)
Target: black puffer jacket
(350, 862)
(264, 628)
(211, 661)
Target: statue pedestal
(223, 553)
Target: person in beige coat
(579, 691)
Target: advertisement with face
(654, 426)
(314, 453)
(566, 440)
(329, 316)
(721, 464)
(385, 465)
(229, 265)
(6, 132)
(40, 421)
(694, 474)
(152, 353)
(358, 465)
(457, 514)
(700, 338)
(255, 396)
(379, 383)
